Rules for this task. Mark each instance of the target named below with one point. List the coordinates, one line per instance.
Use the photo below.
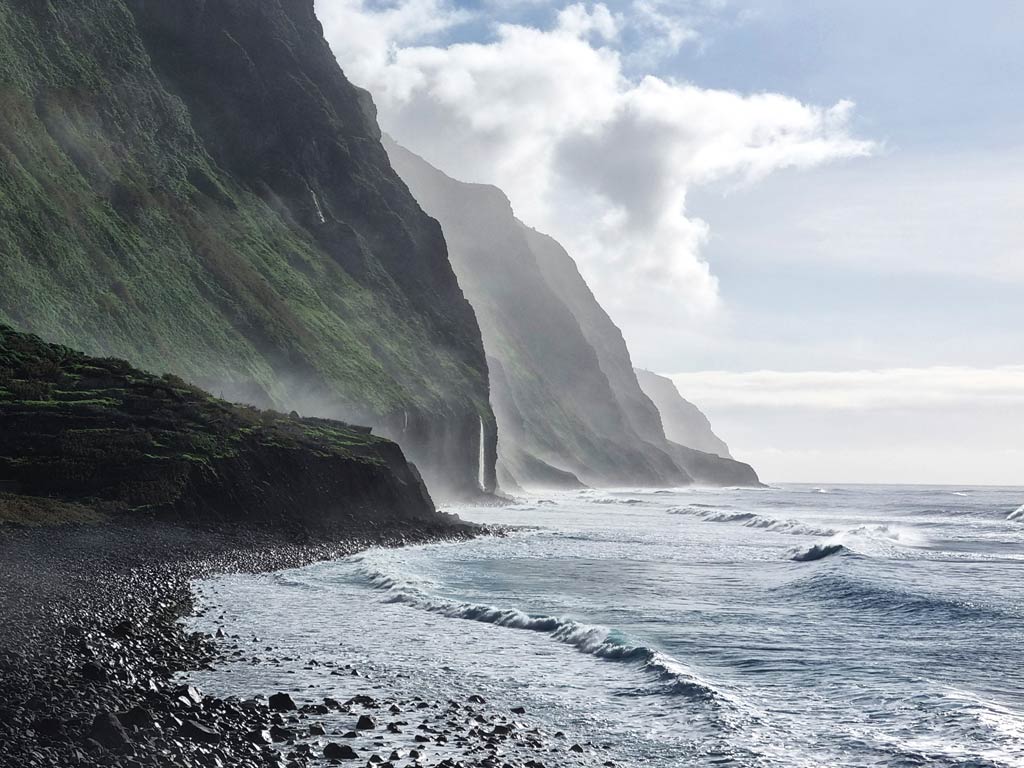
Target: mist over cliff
(567, 400)
(196, 187)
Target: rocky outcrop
(87, 439)
(684, 422)
(195, 186)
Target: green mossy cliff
(86, 439)
(194, 186)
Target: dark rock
(93, 671)
(49, 727)
(203, 734)
(282, 702)
(137, 717)
(123, 629)
(277, 733)
(365, 723)
(258, 736)
(340, 752)
(108, 731)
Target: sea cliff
(197, 188)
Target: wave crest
(753, 520)
(818, 552)
(598, 641)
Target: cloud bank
(942, 425)
(903, 388)
(599, 157)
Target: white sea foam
(892, 541)
(753, 520)
(883, 540)
(599, 641)
(1017, 514)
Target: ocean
(794, 626)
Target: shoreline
(92, 638)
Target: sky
(809, 213)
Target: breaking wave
(598, 641)
(818, 552)
(884, 540)
(752, 520)
(1017, 514)
(889, 541)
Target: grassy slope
(118, 234)
(87, 437)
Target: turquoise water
(795, 626)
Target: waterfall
(316, 202)
(482, 459)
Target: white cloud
(941, 425)
(580, 21)
(665, 32)
(897, 388)
(954, 213)
(600, 160)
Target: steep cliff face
(567, 399)
(196, 187)
(683, 421)
(564, 278)
(557, 410)
(696, 450)
(87, 438)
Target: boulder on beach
(108, 731)
(204, 734)
(282, 702)
(340, 752)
